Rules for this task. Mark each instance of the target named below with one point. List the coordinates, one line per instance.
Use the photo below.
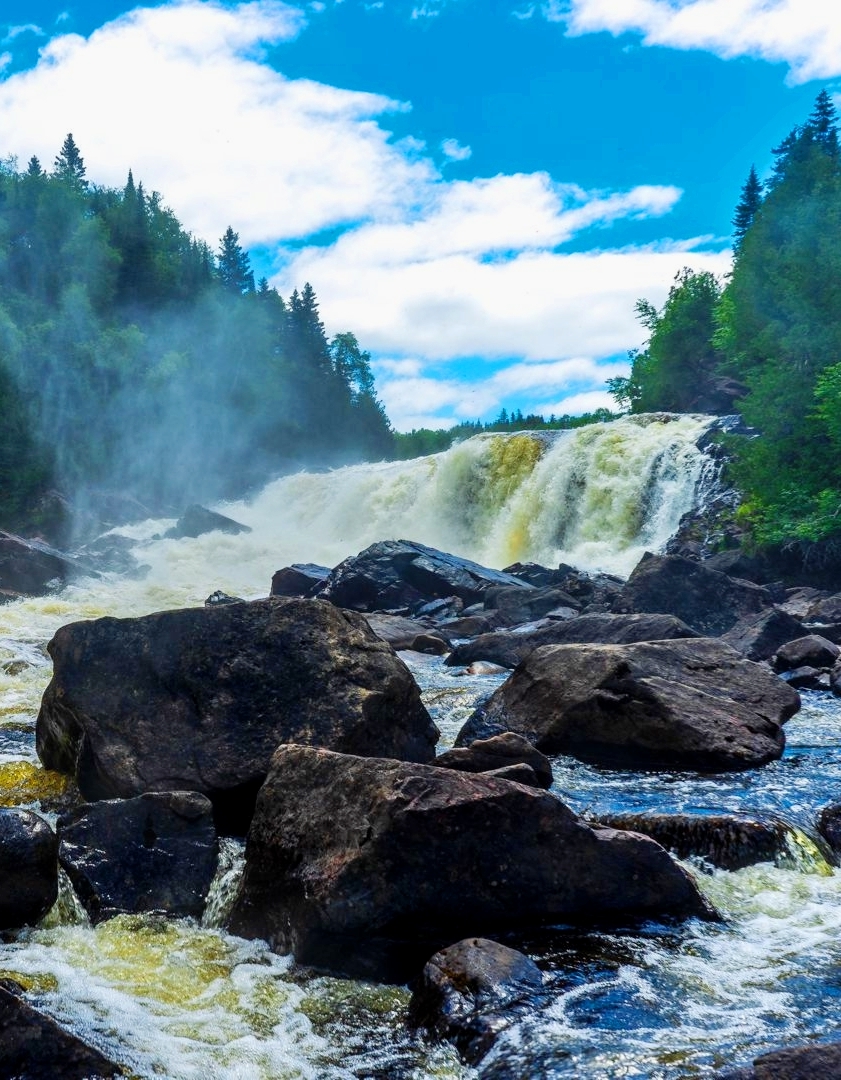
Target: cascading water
(172, 999)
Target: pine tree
(234, 265)
(69, 164)
(34, 167)
(747, 207)
(823, 124)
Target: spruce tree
(747, 207)
(234, 265)
(823, 124)
(69, 164)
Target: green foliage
(676, 370)
(131, 357)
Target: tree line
(135, 358)
(766, 342)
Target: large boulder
(813, 1062)
(707, 600)
(758, 637)
(198, 699)
(498, 752)
(687, 704)
(198, 520)
(358, 860)
(470, 992)
(508, 648)
(399, 573)
(299, 579)
(514, 605)
(813, 650)
(28, 868)
(30, 568)
(156, 852)
(34, 1047)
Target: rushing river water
(175, 999)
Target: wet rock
(707, 600)
(431, 644)
(220, 597)
(685, 704)
(730, 841)
(829, 826)
(34, 1047)
(758, 637)
(814, 1062)
(470, 625)
(198, 699)
(156, 852)
(28, 868)
(485, 755)
(30, 568)
(825, 609)
(360, 865)
(470, 992)
(809, 651)
(198, 520)
(299, 579)
(437, 611)
(513, 604)
(400, 573)
(540, 576)
(508, 648)
(835, 679)
(403, 633)
(807, 678)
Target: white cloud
(805, 34)
(17, 31)
(226, 138)
(454, 151)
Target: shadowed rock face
(198, 699)
(154, 853)
(817, 1062)
(399, 573)
(28, 868)
(690, 704)
(347, 853)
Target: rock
(198, 520)
(518, 774)
(431, 644)
(513, 604)
(34, 1047)
(299, 579)
(156, 852)
(448, 607)
(758, 637)
(472, 991)
(30, 568)
(470, 625)
(361, 865)
(835, 679)
(710, 602)
(483, 667)
(825, 609)
(829, 826)
(402, 633)
(809, 651)
(485, 755)
(509, 648)
(400, 573)
(807, 678)
(220, 597)
(198, 699)
(730, 841)
(28, 868)
(686, 704)
(535, 574)
(821, 1061)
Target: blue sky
(479, 189)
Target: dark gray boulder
(470, 992)
(685, 704)
(508, 648)
(198, 520)
(198, 699)
(410, 634)
(707, 600)
(28, 868)
(366, 861)
(498, 752)
(299, 579)
(731, 841)
(156, 852)
(512, 604)
(829, 826)
(31, 568)
(820, 1061)
(401, 573)
(807, 678)
(758, 637)
(34, 1047)
(810, 651)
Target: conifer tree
(234, 264)
(69, 164)
(823, 124)
(747, 207)
(33, 168)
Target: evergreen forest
(134, 359)
(766, 342)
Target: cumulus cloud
(226, 138)
(805, 34)
(454, 151)
(15, 32)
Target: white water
(176, 1000)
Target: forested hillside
(135, 358)
(767, 342)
